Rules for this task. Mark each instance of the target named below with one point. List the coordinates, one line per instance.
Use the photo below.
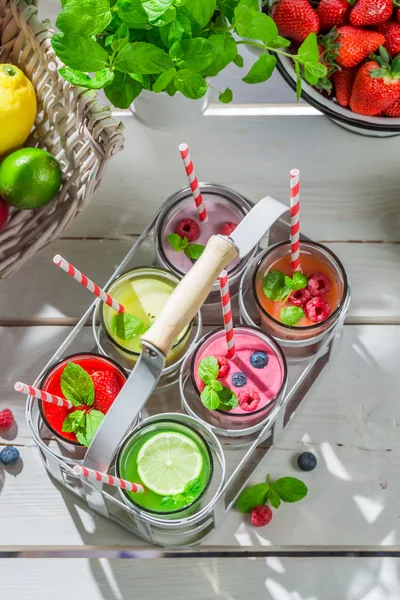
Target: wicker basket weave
(70, 124)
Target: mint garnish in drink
(278, 286)
(83, 424)
(194, 251)
(126, 326)
(179, 244)
(191, 491)
(286, 489)
(290, 315)
(214, 395)
(77, 385)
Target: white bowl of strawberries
(359, 43)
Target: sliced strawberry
(107, 385)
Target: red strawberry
(371, 12)
(398, 14)
(332, 13)
(374, 93)
(394, 111)
(295, 19)
(343, 82)
(354, 45)
(391, 31)
(107, 385)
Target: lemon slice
(167, 462)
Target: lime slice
(167, 462)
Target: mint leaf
(228, 399)
(74, 421)
(273, 498)
(190, 84)
(313, 72)
(261, 70)
(299, 281)
(142, 58)
(84, 17)
(77, 385)
(273, 284)
(290, 489)
(120, 37)
(243, 19)
(253, 496)
(177, 29)
(171, 501)
(238, 60)
(209, 398)
(279, 42)
(194, 251)
(133, 14)
(200, 11)
(208, 369)
(100, 80)
(93, 422)
(126, 326)
(193, 487)
(154, 9)
(308, 51)
(224, 51)
(161, 83)
(226, 96)
(216, 385)
(195, 54)
(144, 80)
(79, 52)
(290, 315)
(177, 242)
(298, 80)
(123, 90)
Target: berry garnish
(306, 461)
(107, 386)
(261, 515)
(223, 366)
(317, 310)
(189, 229)
(6, 419)
(249, 400)
(239, 379)
(9, 456)
(318, 284)
(299, 297)
(259, 360)
(227, 228)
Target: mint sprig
(290, 315)
(191, 490)
(126, 326)
(285, 489)
(215, 395)
(83, 424)
(278, 286)
(77, 385)
(179, 244)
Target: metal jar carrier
(235, 456)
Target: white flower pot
(161, 111)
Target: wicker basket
(70, 124)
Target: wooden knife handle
(190, 294)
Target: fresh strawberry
(107, 386)
(398, 15)
(295, 19)
(394, 111)
(352, 45)
(376, 88)
(391, 31)
(371, 12)
(332, 13)
(343, 82)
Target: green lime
(167, 462)
(29, 178)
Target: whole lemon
(17, 108)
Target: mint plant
(125, 46)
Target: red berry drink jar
(92, 383)
(179, 219)
(300, 316)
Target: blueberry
(9, 455)
(259, 360)
(306, 461)
(239, 379)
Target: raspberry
(239, 379)
(261, 515)
(188, 228)
(249, 400)
(223, 366)
(317, 310)
(6, 419)
(318, 284)
(306, 461)
(9, 456)
(107, 386)
(299, 297)
(227, 228)
(259, 359)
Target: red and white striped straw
(87, 283)
(227, 313)
(105, 478)
(295, 219)
(44, 396)
(194, 184)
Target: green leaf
(123, 90)
(144, 80)
(216, 385)
(208, 369)
(200, 11)
(169, 500)
(179, 28)
(279, 42)
(74, 421)
(161, 83)
(133, 14)
(243, 19)
(126, 326)
(224, 51)
(298, 80)
(378, 73)
(209, 398)
(193, 487)
(273, 284)
(253, 496)
(273, 498)
(262, 28)
(299, 281)
(120, 37)
(226, 96)
(77, 385)
(142, 58)
(290, 489)
(195, 54)
(155, 8)
(177, 242)
(313, 72)
(190, 84)
(93, 421)
(308, 51)
(194, 251)
(396, 65)
(290, 315)
(261, 70)
(228, 399)
(238, 60)
(79, 52)
(84, 17)
(100, 80)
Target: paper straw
(194, 184)
(227, 313)
(295, 219)
(105, 478)
(87, 283)
(44, 396)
